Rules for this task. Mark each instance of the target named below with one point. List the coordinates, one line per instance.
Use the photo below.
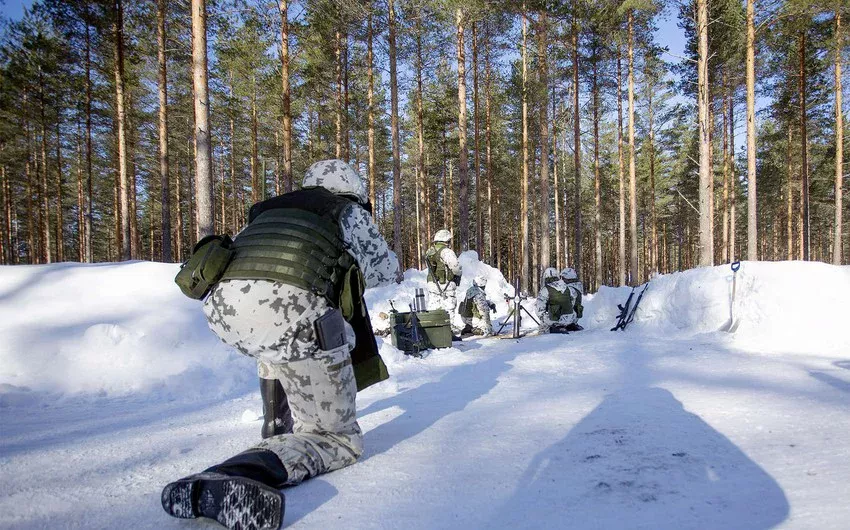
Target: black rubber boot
(241, 493)
(277, 417)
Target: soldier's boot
(277, 417)
(240, 493)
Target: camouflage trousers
(445, 299)
(481, 324)
(273, 323)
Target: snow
(111, 385)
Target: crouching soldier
(475, 309)
(444, 273)
(559, 301)
(292, 297)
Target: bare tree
(123, 182)
(706, 246)
(839, 144)
(397, 243)
(286, 96)
(463, 156)
(524, 199)
(543, 74)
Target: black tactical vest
(296, 239)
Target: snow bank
(121, 329)
(786, 306)
(108, 329)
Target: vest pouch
(353, 287)
(205, 266)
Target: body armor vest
(560, 303)
(438, 272)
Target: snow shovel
(731, 326)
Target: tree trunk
(576, 147)
(81, 220)
(203, 147)
(32, 251)
(256, 185)
(556, 192)
(653, 217)
(286, 129)
(839, 145)
(346, 128)
(463, 160)
(123, 178)
(544, 142)
(752, 209)
(597, 216)
(621, 266)
(479, 226)
(370, 97)
(706, 254)
(633, 261)
(338, 58)
(60, 217)
(804, 146)
(724, 256)
(790, 197)
(89, 192)
(491, 253)
(420, 129)
(733, 252)
(395, 136)
(47, 253)
(163, 133)
(525, 269)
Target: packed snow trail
(655, 427)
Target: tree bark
(338, 57)
(789, 227)
(653, 217)
(47, 253)
(397, 243)
(633, 261)
(256, 186)
(839, 146)
(621, 266)
(576, 147)
(724, 256)
(203, 146)
(557, 191)
(804, 146)
(370, 98)
(544, 142)
(491, 253)
(524, 242)
(32, 251)
(752, 207)
(706, 254)
(733, 187)
(163, 133)
(422, 235)
(479, 226)
(597, 215)
(89, 187)
(286, 126)
(463, 155)
(123, 178)
(60, 218)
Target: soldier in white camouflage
(559, 301)
(475, 309)
(304, 257)
(444, 274)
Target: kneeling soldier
(475, 309)
(559, 301)
(292, 297)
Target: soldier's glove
(492, 306)
(456, 279)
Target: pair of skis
(627, 311)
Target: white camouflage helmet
(443, 236)
(569, 274)
(480, 281)
(337, 177)
(550, 272)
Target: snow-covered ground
(111, 386)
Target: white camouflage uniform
(445, 296)
(483, 323)
(543, 299)
(273, 323)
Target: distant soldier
(559, 301)
(292, 297)
(444, 273)
(475, 309)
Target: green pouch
(205, 266)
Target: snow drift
(788, 306)
(120, 329)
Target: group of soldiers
(291, 297)
(558, 305)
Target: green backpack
(205, 266)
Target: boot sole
(237, 503)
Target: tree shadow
(641, 460)
(425, 405)
(832, 381)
